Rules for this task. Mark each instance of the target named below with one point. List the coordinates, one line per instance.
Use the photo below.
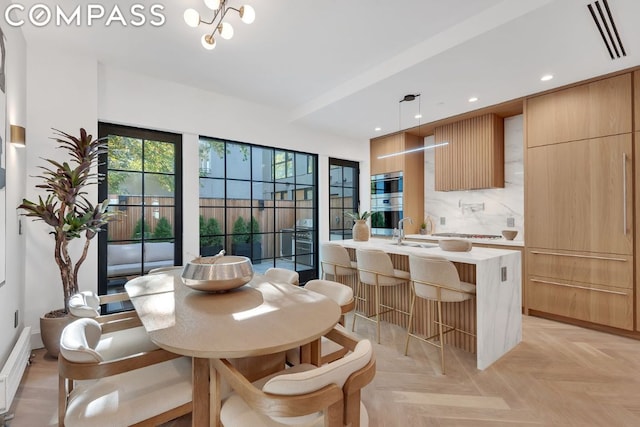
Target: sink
(415, 245)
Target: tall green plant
(66, 208)
(142, 228)
(240, 231)
(163, 230)
(210, 232)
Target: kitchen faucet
(401, 228)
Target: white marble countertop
(498, 242)
(474, 256)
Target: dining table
(262, 318)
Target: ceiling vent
(601, 14)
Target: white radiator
(12, 371)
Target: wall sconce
(17, 136)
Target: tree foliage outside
(163, 230)
(207, 147)
(125, 155)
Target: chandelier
(193, 19)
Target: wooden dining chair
(122, 333)
(283, 275)
(148, 387)
(436, 279)
(343, 296)
(303, 395)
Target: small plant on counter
(356, 215)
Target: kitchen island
(497, 276)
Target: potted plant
(423, 228)
(70, 215)
(244, 243)
(360, 228)
(210, 237)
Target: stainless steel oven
(386, 203)
(386, 184)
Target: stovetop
(468, 236)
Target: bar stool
(436, 279)
(335, 261)
(376, 269)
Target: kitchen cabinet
(579, 196)
(412, 166)
(592, 110)
(474, 157)
(579, 204)
(636, 100)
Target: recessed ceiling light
(378, 129)
(473, 99)
(417, 116)
(546, 77)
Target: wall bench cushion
(126, 258)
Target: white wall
(62, 94)
(13, 291)
(499, 203)
(68, 92)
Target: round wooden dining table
(261, 318)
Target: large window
(343, 197)
(259, 202)
(143, 182)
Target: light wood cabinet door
(591, 110)
(579, 196)
(474, 157)
(636, 100)
(387, 145)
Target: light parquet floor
(560, 375)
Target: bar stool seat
(436, 279)
(335, 261)
(376, 269)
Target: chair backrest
(341, 294)
(337, 372)
(84, 304)
(165, 269)
(375, 260)
(436, 270)
(333, 256)
(79, 340)
(283, 275)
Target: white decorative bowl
(217, 273)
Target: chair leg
(441, 335)
(410, 323)
(357, 301)
(378, 313)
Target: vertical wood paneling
(461, 315)
(474, 157)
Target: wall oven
(386, 203)
(386, 183)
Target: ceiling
(343, 66)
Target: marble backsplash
(481, 211)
